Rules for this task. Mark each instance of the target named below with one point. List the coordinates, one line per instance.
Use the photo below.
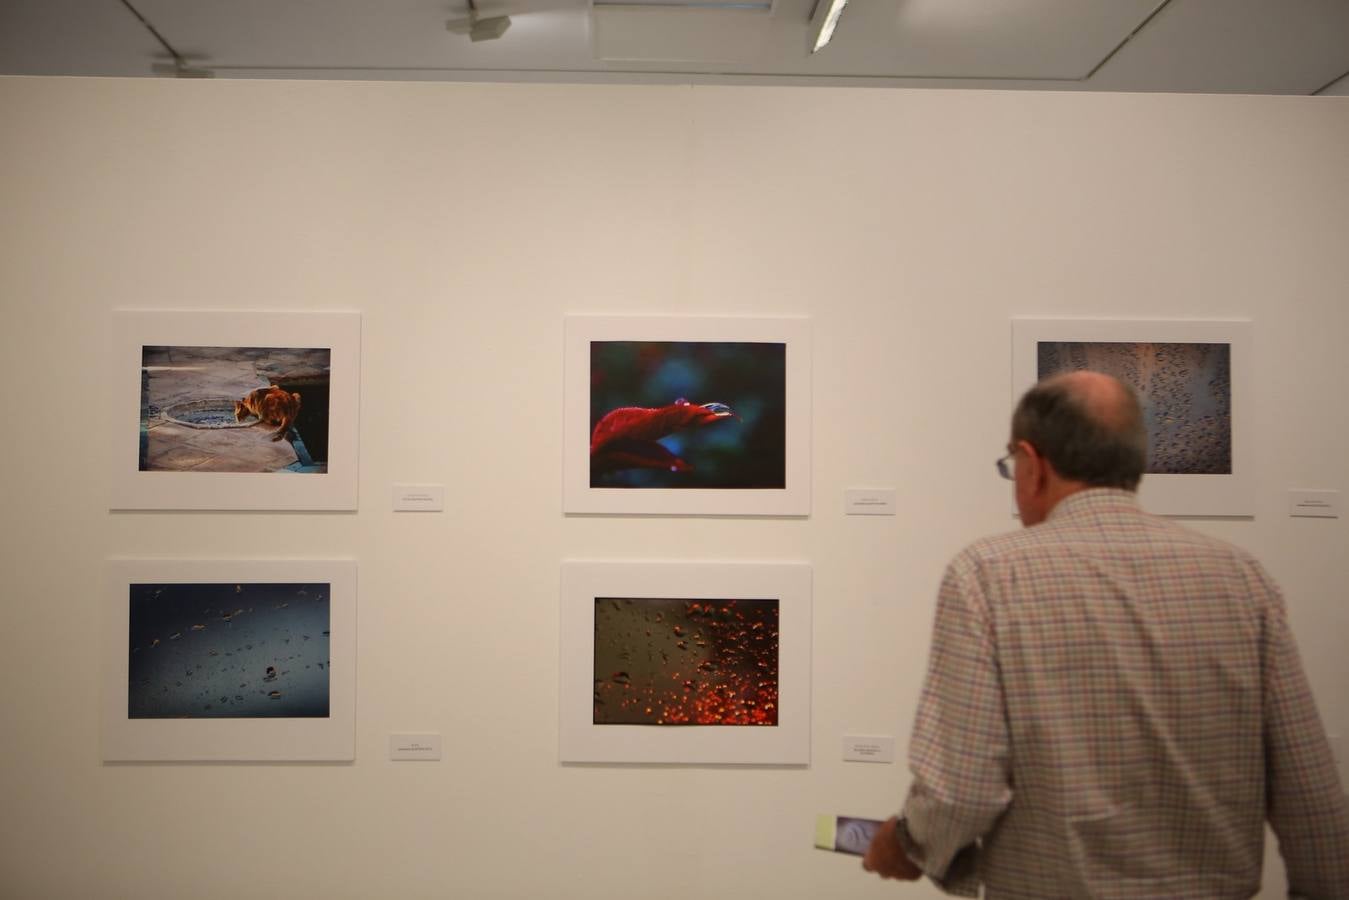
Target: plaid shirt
(1114, 705)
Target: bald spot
(1104, 398)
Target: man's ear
(1037, 471)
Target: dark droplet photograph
(688, 414)
(670, 661)
(243, 651)
(1185, 391)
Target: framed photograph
(215, 660)
(1194, 381)
(693, 663)
(234, 410)
(687, 416)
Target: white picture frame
(786, 466)
(1222, 494)
(586, 582)
(133, 331)
(169, 735)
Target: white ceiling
(1240, 46)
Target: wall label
(1314, 504)
(873, 748)
(418, 497)
(869, 501)
(414, 746)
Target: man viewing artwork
(1114, 704)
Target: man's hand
(886, 858)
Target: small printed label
(868, 748)
(869, 502)
(418, 497)
(414, 746)
(1314, 504)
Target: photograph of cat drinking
(270, 406)
(199, 406)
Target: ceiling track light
(477, 29)
(823, 22)
(179, 68)
(175, 66)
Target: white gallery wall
(464, 222)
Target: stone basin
(210, 412)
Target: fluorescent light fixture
(824, 21)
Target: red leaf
(626, 454)
(625, 438)
(648, 424)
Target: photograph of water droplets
(688, 414)
(1185, 390)
(228, 651)
(686, 662)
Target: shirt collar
(1094, 502)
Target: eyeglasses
(1004, 466)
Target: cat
(272, 406)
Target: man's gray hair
(1101, 447)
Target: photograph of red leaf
(687, 414)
